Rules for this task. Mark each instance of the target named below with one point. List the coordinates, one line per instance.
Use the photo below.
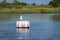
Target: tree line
(55, 3)
(15, 4)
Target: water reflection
(56, 17)
(22, 33)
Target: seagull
(20, 17)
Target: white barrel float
(23, 24)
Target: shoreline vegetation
(21, 7)
(31, 9)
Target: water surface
(43, 27)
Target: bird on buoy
(20, 17)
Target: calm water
(43, 27)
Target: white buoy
(22, 24)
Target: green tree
(54, 3)
(33, 3)
(4, 3)
(22, 3)
(15, 2)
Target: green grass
(31, 9)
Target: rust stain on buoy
(23, 24)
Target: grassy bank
(31, 9)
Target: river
(42, 27)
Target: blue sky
(32, 1)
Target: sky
(32, 1)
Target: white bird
(20, 17)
